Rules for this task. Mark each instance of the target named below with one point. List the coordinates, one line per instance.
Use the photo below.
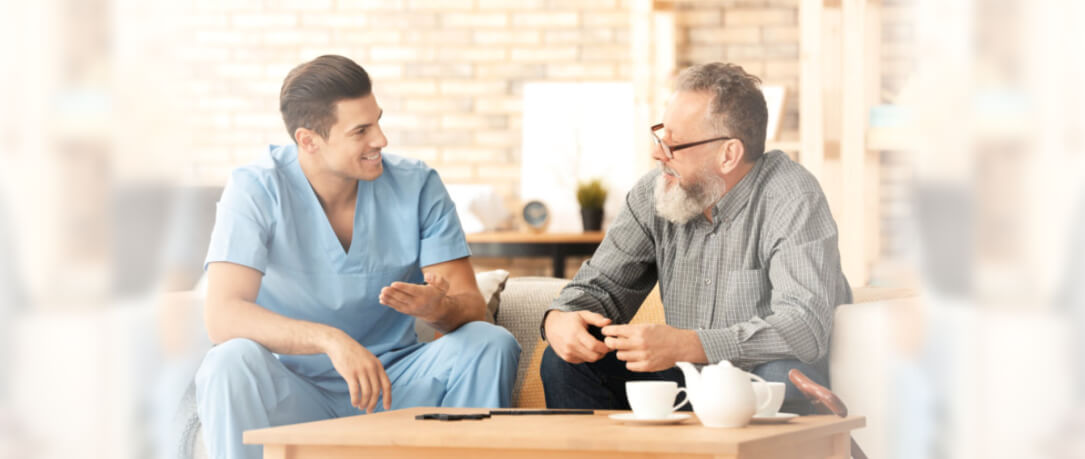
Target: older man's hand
(648, 347)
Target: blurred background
(949, 137)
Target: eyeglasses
(669, 150)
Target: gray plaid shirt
(758, 283)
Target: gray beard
(681, 203)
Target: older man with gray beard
(741, 242)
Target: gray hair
(737, 107)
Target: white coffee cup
(774, 391)
(652, 399)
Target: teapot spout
(693, 378)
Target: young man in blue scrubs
(323, 254)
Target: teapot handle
(768, 400)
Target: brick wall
(450, 73)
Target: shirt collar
(732, 202)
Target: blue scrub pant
(242, 386)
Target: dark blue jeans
(600, 385)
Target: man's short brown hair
(738, 107)
(311, 90)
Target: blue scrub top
(269, 219)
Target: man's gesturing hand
(647, 347)
(363, 372)
(568, 335)
(422, 301)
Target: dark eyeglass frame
(669, 150)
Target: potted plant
(591, 196)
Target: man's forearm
(227, 320)
(459, 309)
(689, 347)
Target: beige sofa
(857, 370)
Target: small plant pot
(592, 219)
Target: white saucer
(629, 418)
(775, 419)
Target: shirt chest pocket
(743, 295)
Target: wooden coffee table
(398, 434)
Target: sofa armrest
(523, 303)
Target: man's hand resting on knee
(567, 333)
(363, 372)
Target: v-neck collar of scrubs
(339, 258)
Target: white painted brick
(337, 20)
(510, 4)
(203, 20)
(581, 71)
(475, 19)
(753, 66)
(409, 121)
(475, 154)
(579, 36)
(726, 35)
(438, 70)
(261, 54)
(265, 21)
(467, 88)
(705, 54)
(203, 54)
(583, 4)
(605, 19)
(781, 68)
(297, 37)
(438, 105)
(257, 120)
(507, 37)
(430, 137)
(444, 5)
(499, 104)
(473, 54)
(384, 53)
(300, 5)
(409, 87)
(760, 17)
(426, 154)
(464, 122)
(545, 19)
(498, 138)
(592, 53)
(543, 54)
(404, 20)
(235, 70)
(696, 18)
(780, 34)
(510, 71)
(440, 37)
(308, 53)
(217, 37)
(499, 172)
(370, 37)
(370, 5)
(227, 5)
(383, 71)
(277, 71)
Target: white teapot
(722, 395)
